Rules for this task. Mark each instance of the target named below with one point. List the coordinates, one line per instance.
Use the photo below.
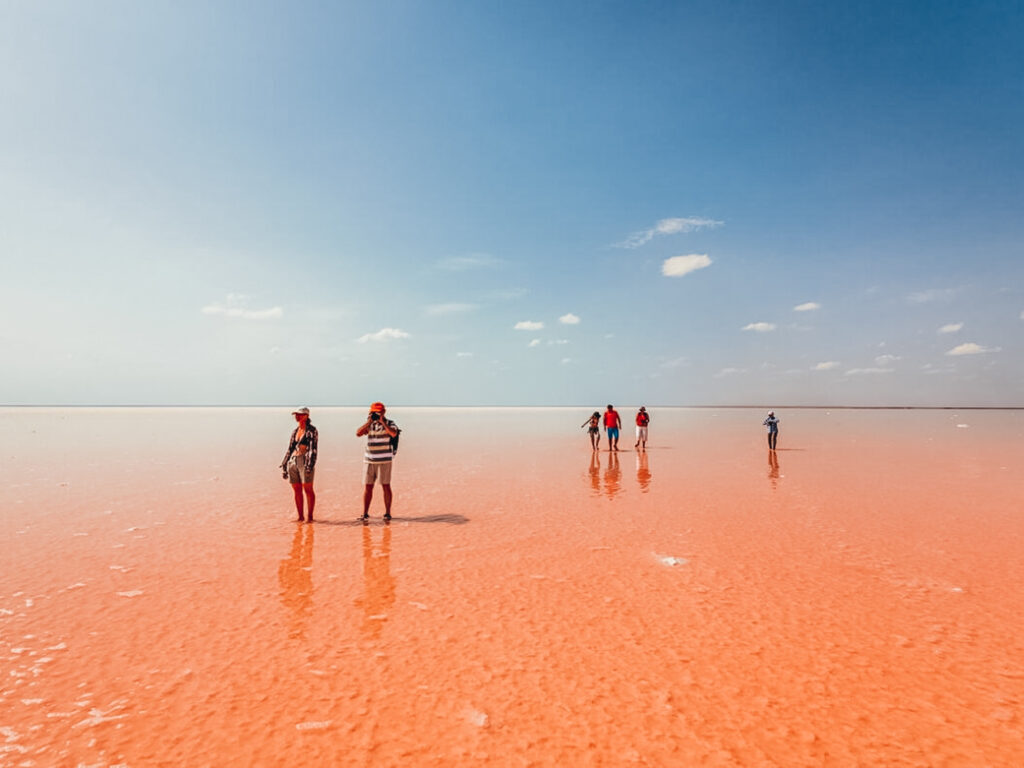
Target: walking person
(612, 425)
(381, 434)
(593, 425)
(773, 430)
(300, 461)
(642, 420)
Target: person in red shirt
(642, 420)
(612, 425)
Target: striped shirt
(378, 444)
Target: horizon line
(524, 405)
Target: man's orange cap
(377, 408)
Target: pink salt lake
(855, 599)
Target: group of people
(299, 464)
(612, 425)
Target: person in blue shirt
(773, 430)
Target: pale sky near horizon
(534, 203)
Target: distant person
(593, 425)
(642, 420)
(612, 425)
(300, 461)
(773, 430)
(381, 434)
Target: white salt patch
(57, 647)
(122, 568)
(315, 725)
(6, 612)
(30, 702)
(77, 585)
(81, 534)
(29, 602)
(963, 426)
(135, 528)
(478, 718)
(671, 561)
(957, 589)
(131, 593)
(378, 617)
(421, 606)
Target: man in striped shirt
(378, 430)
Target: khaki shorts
(297, 472)
(382, 470)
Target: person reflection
(378, 584)
(773, 469)
(643, 471)
(295, 576)
(612, 476)
(595, 473)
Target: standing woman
(300, 461)
(773, 430)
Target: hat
(642, 408)
(303, 411)
(377, 408)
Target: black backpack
(394, 440)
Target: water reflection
(295, 576)
(378, 583)
(595, 473)
(643, 471)
(613, 476)
(773, 469)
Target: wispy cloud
(729, 372)
(867, 371)
(807, 306)
(534, 343)
(675, 362)
(569, 319)
(828, 365)
(668, 227)
(566, 360)
(557, 342)
(384, 334)
(452, 308)
(505, 294)
(469, 261)
(677, 266)
(529, 325)
(970, 348)
(234, 305)
(463, 354)
(759, 327)
(951, 327)
(932, 294)
(884, 360)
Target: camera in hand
(374, 416)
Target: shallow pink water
(856, 601)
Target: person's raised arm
(389, 427)
(363, 429)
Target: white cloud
(951, 327)
(470, 261)
(452, 308)
(807, 306)
(867, 371)
(569, 319)
(884, 360)
(970, 348)
(384, 334)
(1022, 314)
(534, 343)
(668, 227)
(234, 305)
(759, 327)
(566, 360)
(828, 365)
(558, 342)
(729, 372)
(677, 266)
(932, 294)
(463, 354)
(528, 325)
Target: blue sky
(700, 203)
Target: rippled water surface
(856, 598)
